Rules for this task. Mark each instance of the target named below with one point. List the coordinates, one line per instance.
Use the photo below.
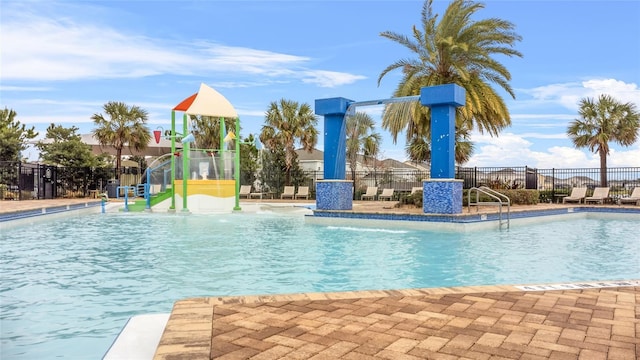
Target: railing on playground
(157, 177)
(202, 165)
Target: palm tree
(206, 130)
(455, 50)
(360, 140)
(602, 122)
(418, 148)
(286, 123)
(124, 126)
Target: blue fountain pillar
(442, 193)
(334, 192)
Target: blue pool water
(69, 286)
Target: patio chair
(372, 192)
(577, 195)
(600, 194)
(245, 190)
(633, 199)
(289, 192)
(257, 194)
(415, 189)
(387, 194)
(303, 192)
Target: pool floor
(446, 323)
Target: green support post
(185, 164)
(173, 160)
(223, 133)
(237, 165)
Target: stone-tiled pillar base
(334, 195)
(442, 196)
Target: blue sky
(61, 61)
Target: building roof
(153, 149)
(314, 155)
(395, 164)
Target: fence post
(475, 176)
(18, 180)
(553, 183)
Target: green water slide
(156, 177)
(141, 204)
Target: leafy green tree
(141, 160)
(63, 146)
(361, 140)
(454, 50)
(13, 136)
(206, 130)
(123, 126)
(286, 124)
(601, 122)
(248, 160)
(418, 149)
(272, 175)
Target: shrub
(522, 196)
(517, 196)
(414, 199)
(546, 196)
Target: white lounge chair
(577, 195)
(245, 190)
(415, 189)
(289, 192)
(372, 192)
(600, 194)
(303, 192)
(633, 199)
(387, 194)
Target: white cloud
(514, 150)
(569, 94)
(329, 78)
(52, 47)
(630, 157)
(23, 88)
(562, 157)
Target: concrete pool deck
(480, 322)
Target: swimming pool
(70, 285)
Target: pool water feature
(70, 285)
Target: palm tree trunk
(353, 181)
(118, 163)
(603, 167)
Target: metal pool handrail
(494, 195)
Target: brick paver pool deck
(494, 322)
(483, 322)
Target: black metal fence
(26, 181)
(23, 181)
(550, 182)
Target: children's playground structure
(192, 178)
(209, 179)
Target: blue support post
(334, 192)
(442, 193)
(443, 100)
(126, 198)
(147, 188)
(335, 135)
